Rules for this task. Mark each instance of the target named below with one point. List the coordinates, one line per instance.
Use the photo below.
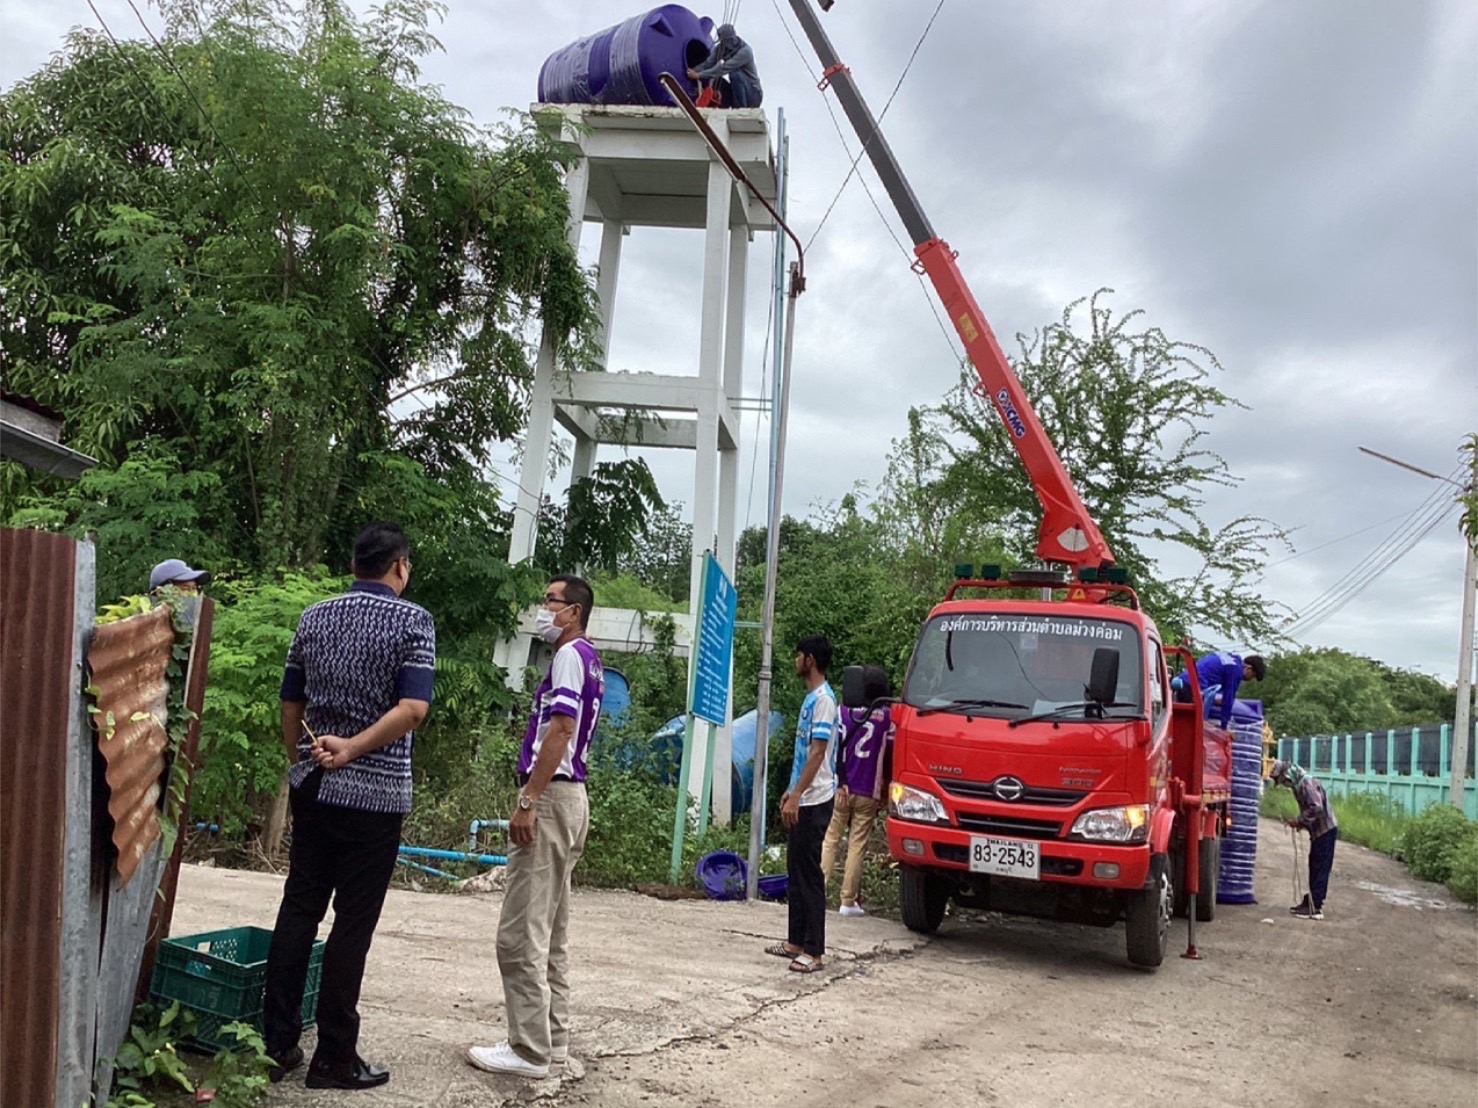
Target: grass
(1367, 818)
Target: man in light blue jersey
(806, 808)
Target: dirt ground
(676, 1004)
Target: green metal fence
(1410, 765)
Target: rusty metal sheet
(196, 672)
(128, 662)
(39, 686)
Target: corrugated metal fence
(79, 816)
(1410, 765)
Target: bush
(1462, 877)
(1430, 839)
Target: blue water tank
(621, 64)
(1236, 879)
(617, 700)
(667, 747)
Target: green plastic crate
(220, 976)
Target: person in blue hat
(173, 571)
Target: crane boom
(1068, 535)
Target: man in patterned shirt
(547, 830)
(806, 808)
(357, 684)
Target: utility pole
(1462, 724)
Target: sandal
(781, 950)
(805, 963)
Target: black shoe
(357, 1074)
(1303, 907)
(291, 1059)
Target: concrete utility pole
(1462, 724)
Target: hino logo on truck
(1008, 788)
(1010, 415)
(954, 771)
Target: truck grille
(1010, 827)
(1034, 794)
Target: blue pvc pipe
(213, 828)
(454, 855)
(477, 825)
(428, 869)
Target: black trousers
(805, 888)
(1321, 861)
(348, 855)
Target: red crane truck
(1041, 763)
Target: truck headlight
(915, 804)
(1130, 824)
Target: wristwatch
(525, 803)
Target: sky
(1290, 183)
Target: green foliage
(148, 1059)
(1462, 876)
(662, 558)
(148, 1065)
(241, 751)
(1469, 498)
(1128, 411)
(142, 511)
(627, 591)
(603, 520)
(482, 789)
(1330, 691)
(1431, 841)
(279, 256)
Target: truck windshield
(1012, 666)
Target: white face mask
(544, 626)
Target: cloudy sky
(1292, 183)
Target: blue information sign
(715, 646)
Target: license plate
(1005, 857)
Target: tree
(1330, 691)
(1128, 411)
(265, 244)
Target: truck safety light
(1130, 824)
(915, 804)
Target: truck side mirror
(1103, 679)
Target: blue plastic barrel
(667, 748)
(1235, 880)
(617, 701)
(621, 64)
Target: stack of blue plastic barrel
(1239, 848)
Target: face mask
(544, 626)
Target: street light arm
(680, 95)
(1414, 469)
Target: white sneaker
(851, 910)
(502, 1058)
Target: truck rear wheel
(1147, 916)
(1210, 867)
(922, 897)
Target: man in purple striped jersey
(864, 742)
(547, 830)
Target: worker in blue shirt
(1224, 671)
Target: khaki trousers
(533, 931)
(853, 816)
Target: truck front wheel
(1147, 916)
(922, 897)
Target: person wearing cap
(173, 571)
(1225, 672)
(1317, 818)
(732, 59)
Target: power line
(204, 115)
(1417, 524)
(1334, 542)
(881, 116)
(949, 337)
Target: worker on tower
(732, 61)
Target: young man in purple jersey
(547, 830)
(861, 775)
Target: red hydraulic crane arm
(1068, 535)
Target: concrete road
(676, 1004)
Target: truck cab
(1040, 767)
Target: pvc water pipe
(213, 828)
(478, 824)
(428, 869)
(454, 855)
